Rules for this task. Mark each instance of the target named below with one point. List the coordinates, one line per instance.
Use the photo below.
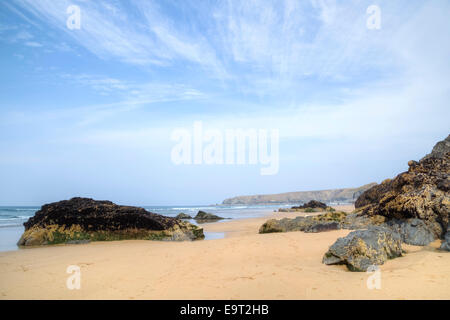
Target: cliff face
(422, 192)
(335, 195)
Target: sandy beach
(243, 265)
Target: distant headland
(346, 195)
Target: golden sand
(243, 265)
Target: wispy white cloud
(22, 35)
(272, 47)
(108, 32)
(289, 40)
(258, 45)
(33, 44)
(147, 91)
(130, 96)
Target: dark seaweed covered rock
(423, 192)
(87, 219)
(201, 215)
(183, 216)
(313, 204)
(362, 249)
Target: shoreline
(243, 265)
(250, 226)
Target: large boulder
(362, 249)
(81, 219)
(205, 216)
(183, 216)
(423, 192)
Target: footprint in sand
(84, 264)
(24, 269)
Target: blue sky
(90, 112)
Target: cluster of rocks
(415, 207)
(311, 206)
(418, 198)
(81, 220)
(318, 223)
(412, 208)
(201, 217)
(333, 220)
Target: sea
(12, 218)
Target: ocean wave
(194, 208)
(11, 225)
(6, 218)
(18, 209)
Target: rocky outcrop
(412, 208)
(423, 192)
(183, 216)
(318, 223)
(362, 249)
(334, 195)
(81, 219)
(205, 216)
(313, 204)
(331, 220)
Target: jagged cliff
(334, 195)
(422, 192)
